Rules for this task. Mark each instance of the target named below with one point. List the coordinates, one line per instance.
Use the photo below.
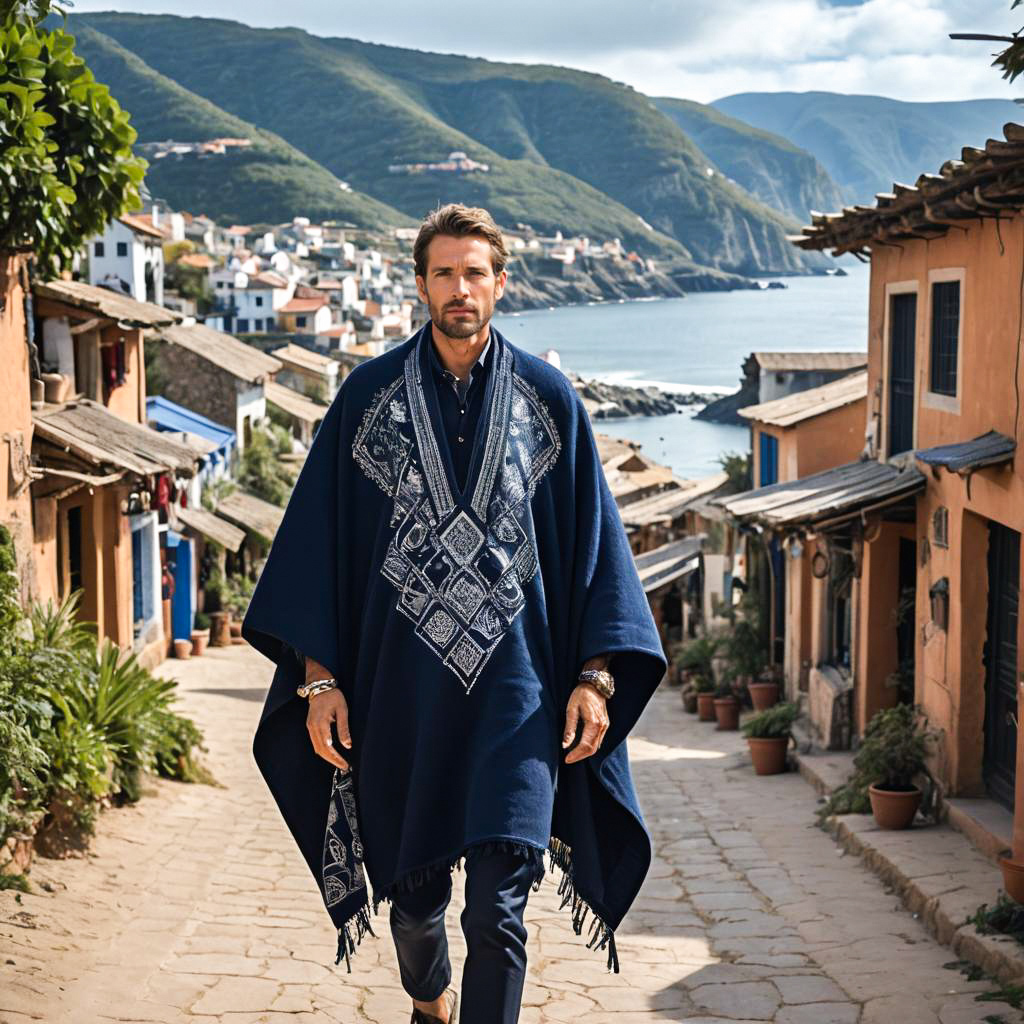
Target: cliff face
(537, 283)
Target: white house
(129, 257)
(257, 300)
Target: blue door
(182, 607)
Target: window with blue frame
(768, 460)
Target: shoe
(419, 1017)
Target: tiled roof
(142, 224)
(982, 183)
(299, 305)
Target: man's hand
(324, 709)
(587, 704)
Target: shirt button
(460, 440)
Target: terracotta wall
(129, 400)
(950, 671)
(15, 419)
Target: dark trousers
(497, 887)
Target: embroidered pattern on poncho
(459, 571)
(342, 869)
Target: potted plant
(705, 690)
(696, 658)
(200, 633)
(768, 734)
(891, 758)
(727, 708)
(182, 647)
(688, 692)
(745, 652)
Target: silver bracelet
(600, 679)
(317, 686)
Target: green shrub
(697, 654)
(202, 620)
(774, 723)
(178, 739)
(892, 754)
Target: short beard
(456, 329)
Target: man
(454, 578)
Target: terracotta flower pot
(220, 629)
(768, 754)
(705, 707)
(236, 627)
(182, 648)
(200, 638)
(689, 695)
(1013, 878)
(763, 695)
(727, 711)
(894, 808)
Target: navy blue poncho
(456, 622)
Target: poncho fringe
(599, 935)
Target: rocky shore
(604, 401)
(538, 283)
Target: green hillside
(270, 181)
(868, 142)
(766, 165)
(566, 150)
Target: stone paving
(193, 906)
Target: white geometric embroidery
(459, 571)
(341, 878)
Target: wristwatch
(600, 679)
(315, 686)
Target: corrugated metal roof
(105, 302)
(251, 513)
(780, 362)
(90, 432)
(805, 405)
(170, 415)
(223, 350)
(668, 563)
(293, 403)
(209, 525)
(966, 456)
(981, 183)
(832, 495)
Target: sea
(696, 343)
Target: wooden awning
(200, 520)
(94, 437)
(251, 513)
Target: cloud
(700, 49)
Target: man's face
(460, 287)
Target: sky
(696, 49)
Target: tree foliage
(66, 160)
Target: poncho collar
(488, 441)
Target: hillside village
(846, 592)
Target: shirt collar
(474, 370)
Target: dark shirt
(461, 402)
